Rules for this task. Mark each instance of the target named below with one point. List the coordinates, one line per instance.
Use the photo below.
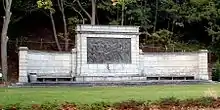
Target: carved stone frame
(108, 69)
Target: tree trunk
(65, 31)
(93, 12)
(4, 39)
(173, 26)
(97, 18)
(118, 14)
(122, 14)
(60, 3)
(155, 17)
(55, 32)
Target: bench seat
(54, 77)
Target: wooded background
(166, 25)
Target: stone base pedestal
(109, 78)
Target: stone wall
(46, 64)
(162, 64)
(175, 64)
(111, 53)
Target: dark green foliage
(129, 104)
(188, 25)
(216, 72)
(13, 107)
(201, 102)
(205, 101)
(49, 106)
(168, 101)
(187, 20)
(164, 103)
(94, 106)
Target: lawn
(97, 94)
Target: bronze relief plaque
(108, 50)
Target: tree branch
(10, 2)
(17, 19)
(84, 10)
(77, 12)
(103, 2)
(58, 2)
(3, 4)
(6, 2)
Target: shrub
(163, 104)
(49, 106)
(205, 101)
(130, 104)
(16, 106)
(94, 106)
(216, 72)
(68, 106)
(168, 101)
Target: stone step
(113, 83)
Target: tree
(71, 6)
(123, 4)
(4, 38)
(92, 17)
(54, 31)
(47, 5)
(61, 7)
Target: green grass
(97, 94)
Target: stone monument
(107, 52)
(111, 53)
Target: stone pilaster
(203, 65)
(23, 63)
(78, 53)
(141, 62)
(73, 62)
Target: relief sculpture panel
(108, 50)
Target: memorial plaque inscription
(108, 50)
